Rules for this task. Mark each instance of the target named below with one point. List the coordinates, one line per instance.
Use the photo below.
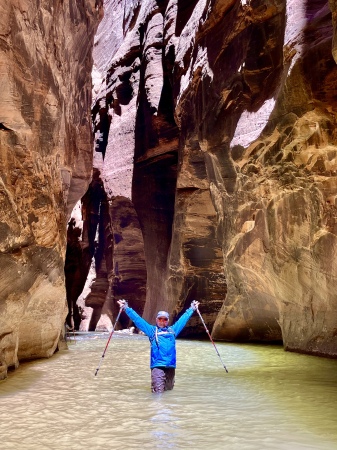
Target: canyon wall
(45, 163)
(216, 120)
(214, 168)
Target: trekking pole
(112, 332)
(73, 327)
(202, 320)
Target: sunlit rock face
(280, 247)
(45, 163)
(220, 117)
(123, 122)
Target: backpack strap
(155, 334)
(154, 337)
(171, 330)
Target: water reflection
(270, 399)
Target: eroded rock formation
(215, 160)
(45, 163)
(105, 259)
(220, 119)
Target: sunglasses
(162, 319)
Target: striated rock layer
(217, 119)
(104, 261)
(45, 163)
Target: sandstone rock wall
(104, 261)
(221, 118)
(107, 228)
(45, 163)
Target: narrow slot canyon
(180, 155)
(188, 152)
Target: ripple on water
(270, 399)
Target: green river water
(270, 399)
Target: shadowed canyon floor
(270, 399)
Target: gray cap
(163, 314)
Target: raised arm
(136, 319)
(180, 324)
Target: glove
(194, 305)
(123, 304)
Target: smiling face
(162, 322)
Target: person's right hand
(123, 304)
(194, 305)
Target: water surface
(270, 399)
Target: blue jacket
(163, 340)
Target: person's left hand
(194, 305)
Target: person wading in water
(163, 343)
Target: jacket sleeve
(179, 325)
(140, 322)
